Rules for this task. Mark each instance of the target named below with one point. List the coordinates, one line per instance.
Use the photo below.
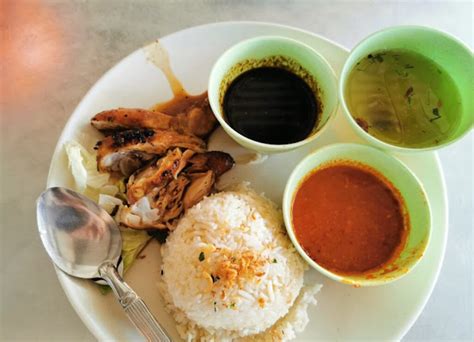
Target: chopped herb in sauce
(408, 94)
(362, 124)
(436, 114)
(376, 58)
(202, 256)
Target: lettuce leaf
(133, 242)
(83, 167)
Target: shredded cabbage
(111, 190)
(109, 202)
(84, 168)
(143, 209)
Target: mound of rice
(230, 271)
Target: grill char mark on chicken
(198, 121)
(157, 175)
(143, 144)
(217, 161)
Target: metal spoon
(84, 241)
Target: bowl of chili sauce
(357, 214)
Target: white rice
(231, 273)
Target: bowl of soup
(357, 214)
(409, 88)
(272, 94)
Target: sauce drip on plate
(182, 101)
(348, 218)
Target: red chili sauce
(348, 218)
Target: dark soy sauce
(271, 105)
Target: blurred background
(52, 52)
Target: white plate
(343, 312)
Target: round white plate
(343, 312)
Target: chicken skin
(126, 151)
(197, 121)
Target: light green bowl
(411, 190)
(451, 54)
(259, 48)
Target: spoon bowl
(84, 241)
(77, 234)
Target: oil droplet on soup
(403, 98)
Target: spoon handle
(133, 305)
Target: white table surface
(54, 51)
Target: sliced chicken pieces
(198, 121)
(157, 175)
(201, 186)
(156, 208)
(172, 185)
(217, 161)
(169, 202)
(140, 182)
(187, 154)
(141, 142)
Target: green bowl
(451, 54)
(411, 190)
(266, 46)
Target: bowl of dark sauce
(272, 94)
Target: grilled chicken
(200, 187)
(169, 201)
(162, 154)
(124, 151)
(158, 208)
(217, 161)
(171, 185)
(158, 174)
(198, 121)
